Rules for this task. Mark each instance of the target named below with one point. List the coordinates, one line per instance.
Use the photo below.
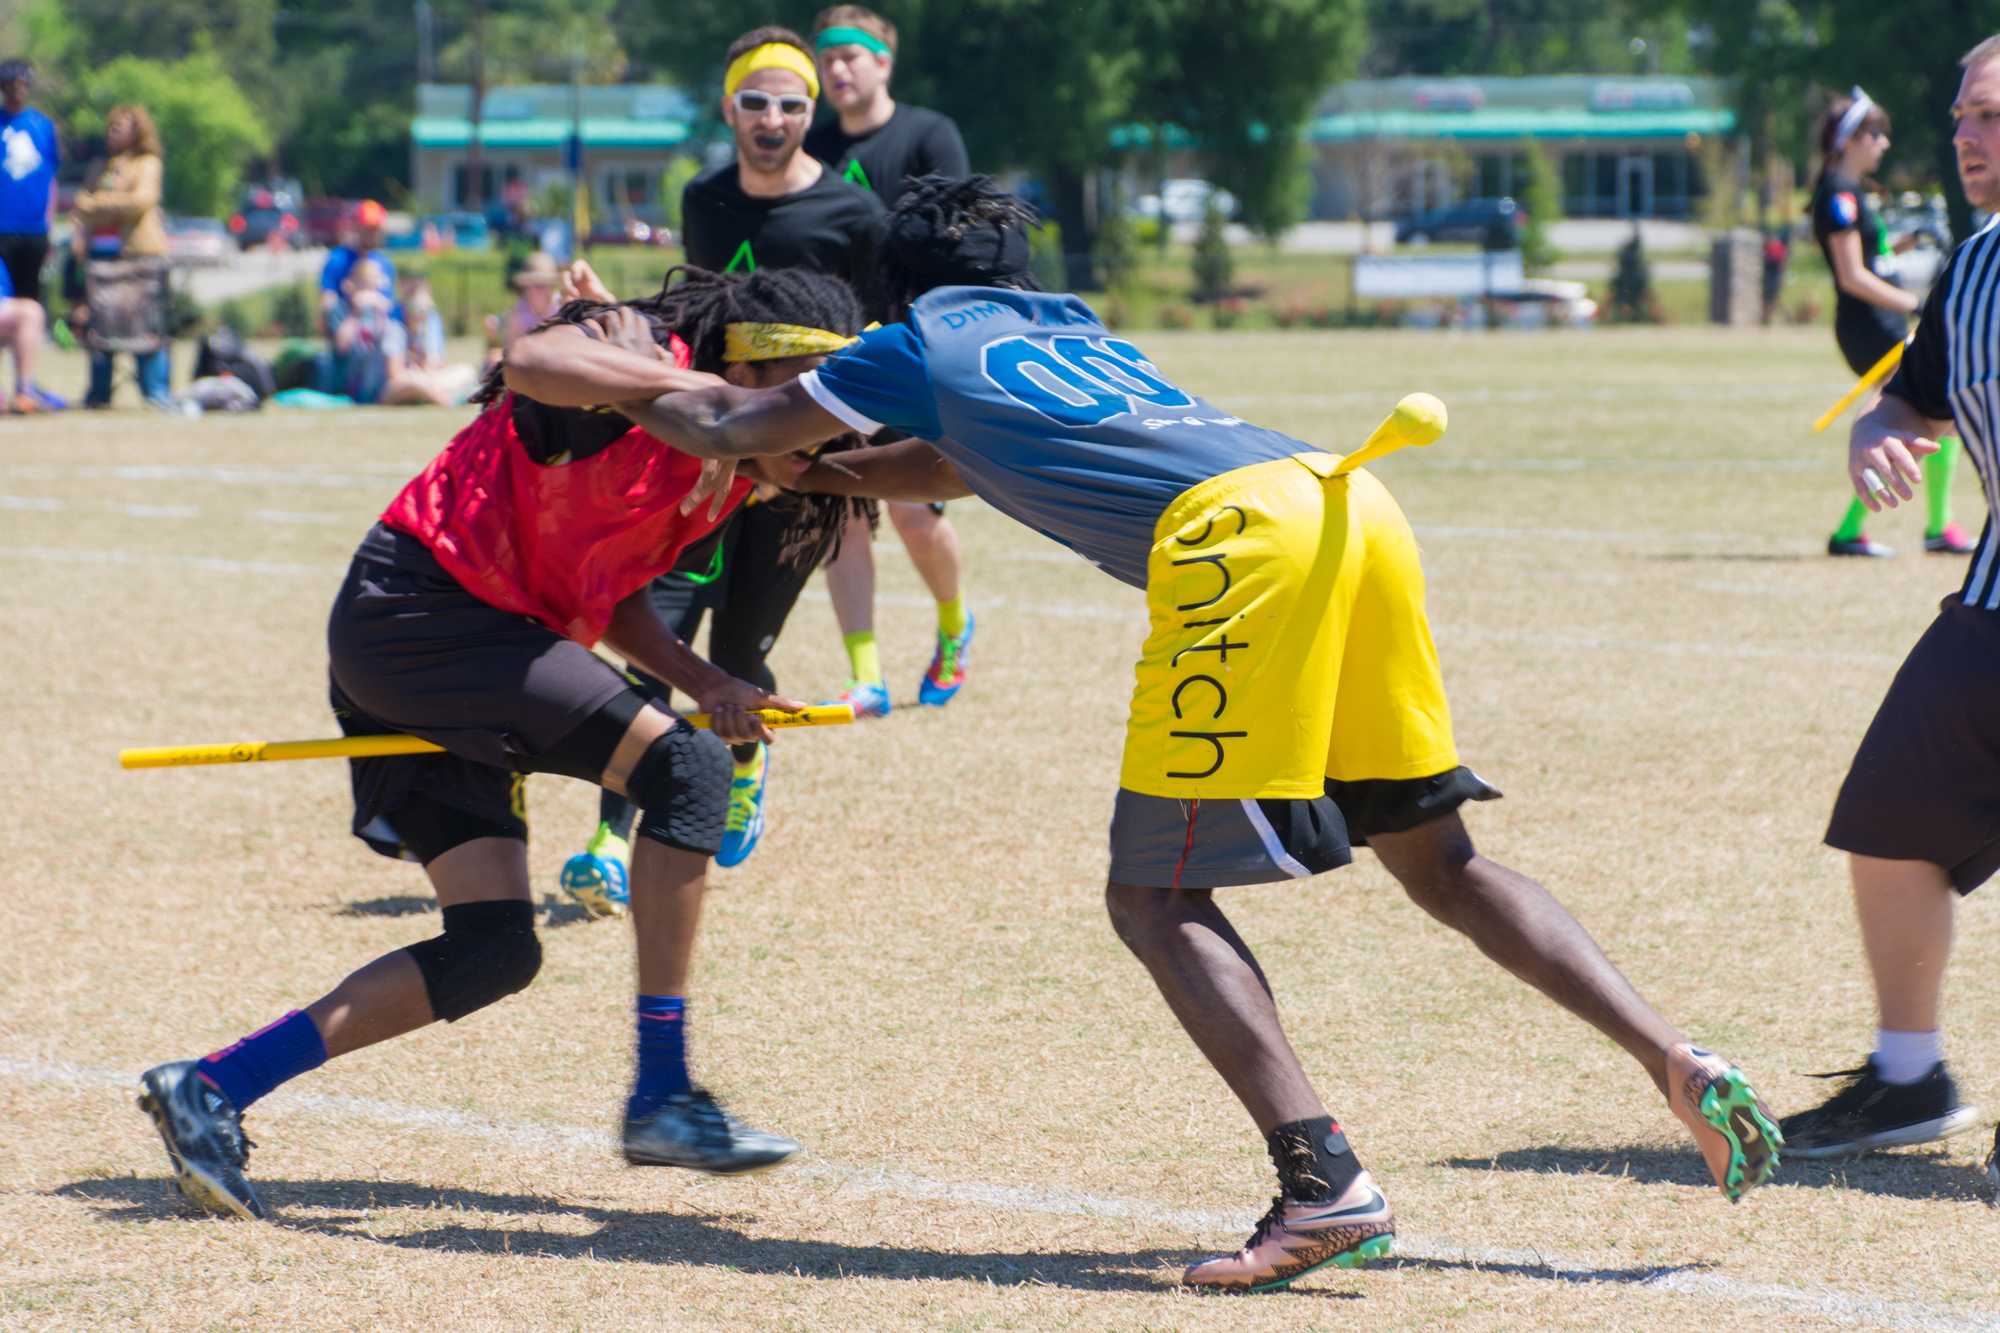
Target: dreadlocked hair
(697, 306)
(948, 207)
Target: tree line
(324, 91)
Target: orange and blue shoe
(1296, 1238)
(1734, 1130)
(744, 824)
(946, 675)
(866, 698)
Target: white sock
(1905, 1057)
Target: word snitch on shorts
(1199, 685)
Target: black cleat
(204, 1138)
(1869, 1113)
(691, 1130)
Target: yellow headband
(775, 342)
(771, 55)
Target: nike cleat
(1735, 1132)
(946, 675)
(1294, 1239)
(204, 1138)
(693, 1131)
(867, 699)
(595, 878)
(1870, 1112)
(745, 821)
(1860, 544)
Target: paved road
(252, 271)
(1572, 236)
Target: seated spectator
(538, 282)
(22, 326)
(427, 377)
(361, 239)
(371, 347)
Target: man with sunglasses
(774, 207)
(777, 206)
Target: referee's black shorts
(1925, 784)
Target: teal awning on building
(1521, 123)
(548, 132)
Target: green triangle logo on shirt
(745, 259)
(854, 175)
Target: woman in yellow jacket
(120, 218)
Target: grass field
(914, 975)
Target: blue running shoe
(745, 823)
(946, 675)
(867, 700)
(595, 878)
(55, 402)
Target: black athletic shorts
(412, 651)
(1866, 339)
(1925, 784)
(23, 254)
(735, 577)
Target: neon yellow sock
(951, 617)
(1850, 525)
(864, 659)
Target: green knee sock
(864, 659)
(1937, 484)
(1850, 526)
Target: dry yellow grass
(913, 975)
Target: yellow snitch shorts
(1288, 643)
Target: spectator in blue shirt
(29, 156)
(365, 242)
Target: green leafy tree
(1243, 79)
(1542, 199)
(208, 127)
(1214, 269)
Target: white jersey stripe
(1972, 389)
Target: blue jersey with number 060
(1049, 416)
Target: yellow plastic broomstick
(370, 747)
(1878, 372)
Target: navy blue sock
(662, 1070)
(264, 1059)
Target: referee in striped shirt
(1919, 814)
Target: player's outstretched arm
(569, 365)
(1885, 450)
(910, 470)
(638, 634)
(725, 422)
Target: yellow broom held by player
(1878, 372)
(373, 747)
(1419, 419)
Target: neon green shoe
(595, 878)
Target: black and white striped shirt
(1951, 372)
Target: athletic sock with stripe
(662, 1065)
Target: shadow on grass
(553, 911)
(1907, 1175)
(343, 1207)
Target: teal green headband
(852, 37)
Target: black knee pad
(487, 952)
(682, 785)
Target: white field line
(1089, 612)
(1821, 1302)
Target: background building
(1625, 146)
(629, 134)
